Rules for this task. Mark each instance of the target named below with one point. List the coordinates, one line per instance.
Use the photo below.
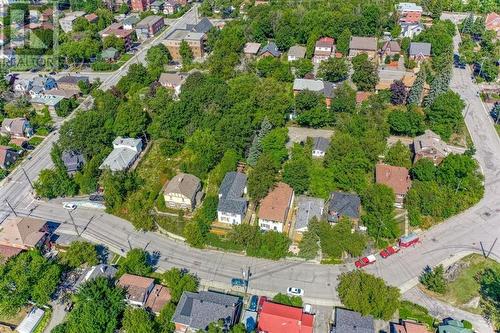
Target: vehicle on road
(235, 282)
(365, 261)
(409, 240)
(252, 305)
(96, 197)
(308, 308)
(69, 205)
(262, 300)
(292, 291)
(389, 251)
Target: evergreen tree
(468, 24)
(415, 94)
(256, 148)
(439, 85)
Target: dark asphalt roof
(231, 193)
(345, 204)
(271, 48)
(203, 26)
(197, 310)
(352, 322)
(321, 144)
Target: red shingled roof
(279, 318)
(394, 177)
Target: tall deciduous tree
(398, 155)
(378, 202)
(333, 69)
(262, 177)
(137, 320)
(136, 262)
(79, 253)
(398, 92)
(365, 75)
(343, 41)
(186, 53)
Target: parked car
(407, 241)
(69, 205)
(96, 197)
(238, 282)
(262, 300)
(308, 308)
(389, 251)
(365, 261)
(292, 291)
(254, 301)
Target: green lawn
(498, 129)
(412, 311)
(465, 287)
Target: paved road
(462, 233)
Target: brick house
(274, 208)
(396, 178)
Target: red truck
(365, 261)
(409, 240)
(389, 251)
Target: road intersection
(458, 236)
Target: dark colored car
(252, 305)
(238, 282)
(96, 197)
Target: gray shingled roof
(324, 87)
(345, 204)
(363, 43)
(321, 144)
(202, 27)
(417, 49)
(197, 310)
(72, 160)
(347, 321)
(185, 184)
(271, 48)
(91, 273)
(307, 208)
(297, 51)
(231, 193)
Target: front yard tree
(378, 202)
(261, 178)
(445, 114)
(256, 147)
(79, 253)
(365, 75)
(137, 320)
(158, 56)
(333, 69)
(489, 281)
(186, 53)
(415, 94)
(433, 279)
(368, 294)
(398, 155)
(136, 262)
(398, 92)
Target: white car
(292, 291)
(69, 206)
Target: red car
(407, 241)
(365, 261)
(389, 251)
(262, 300)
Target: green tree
(365, 75)
(416, 90)
(309, 245)
(79, 253)
(186, 53)
(137, 320)
(489, 281)
(117, 185)
(135, 262)
(343, 41)
(423, 170)
(115, 42)
(433, 279)
(98, 305)
(378, 202)
(333, 69)
(302, 67)
(445, 114)
(54, 183)
(203, 153)
(368, 294)
(256, 147)
(398, 155)
(344, 99)
(194, 235)
(261, 178)
(274, 144)
(296, 170)
(158, 56)
(288, 300)
(178, 282)
(410, 122)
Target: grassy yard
(465, 287)
(412, 311)
(498, 129)
(16, 320)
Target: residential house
(23, 232)
(342, 204)
(274, 208)
(324, 87)
(296, 52)
(411, 30)
(307, 208)
(158, 297)
(91, 18)
(452, 326)
(323, 49)
(157, 6)
(251, 49)
(50, 101)
(70, 82)
(195, 41)
(92, 273)
(8, 157)
(492, 22)
(73, 161)
(66, 22)
(41, 84)
(125, 153)
(31, 321)
(22, 85)
(390, 48)
(130, 21)
(173, 81)
(429, 145)
(65, 93)
(183, 192)
(170, 7)
(397, 178)
(195, 311)
(137, 288)
(280, 318)
(110, 54)
(118, 30)
(148, 27)
(419, 51)
(320, 146)
(405, 326)
(363, 45)
(232, 203)
(140, 5)
(352, 322)
(409, 12)
(270, 50)
(203, 26)
(16, 128)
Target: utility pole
(73, 222)
(482, 249)
(491, 248)
(8, 204)
(246, 276)
(128, 241)
(28, 178)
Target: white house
(232, 204)
(23, 86)
(125, 152)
